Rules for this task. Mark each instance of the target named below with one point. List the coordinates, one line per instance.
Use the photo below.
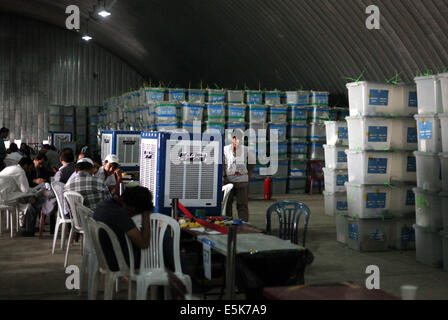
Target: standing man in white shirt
(236, 170)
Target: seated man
(38, 173)
(97, 164)
(17, 174)
(53, 163)
(116, 213)
(68, 166)
(91, 188)
(109, 173)
(44, 201)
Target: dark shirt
(64, 172)
(118, 219)
(38, 173)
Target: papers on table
(251, 242)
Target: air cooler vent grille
(148, 165)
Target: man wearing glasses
(110, 173)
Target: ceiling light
(86, 37)
(104, 13)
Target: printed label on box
(377, 134)
(302, 100)
(412, 99)
(281, 130)
(299, 114)
(379, 97)
(376, 200)
(425, 130)
(298, 148)
(410, 198)
(411, 164)
(376, 236)
(254, 98)
(342, 133)
(282, 148)
(412, 135)
(177, 95)
(320, 98)
(258, 113)
(216, 98)
(194, 111)
(341, 179)
(215, 110)
(341, 205)
(236, 112)
(377, 166)
(353, 231)
(407, 235)
(342, 156)
(156, 96)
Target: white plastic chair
(10, 207)
(58, 189)
(9, 210)
(152, 267)
(226, 189)
(73, 198)
(110, 276)
(89, 258)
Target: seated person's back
(91, 188)
(117, 214)
(67, 168)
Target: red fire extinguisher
(267, 188)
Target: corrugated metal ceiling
(281, 44)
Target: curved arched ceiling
(282, 44)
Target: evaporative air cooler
(188, 170)
(124, 144)
(60, 139)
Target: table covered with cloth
(264, 260)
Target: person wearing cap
(91, 188)
(109, 173)
(236, 171)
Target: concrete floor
(29, 271)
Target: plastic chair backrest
(58, 189)
(226, 189)
(94, 230)
(73, 198)
(83, 213)
(152, 257)
(289, 213)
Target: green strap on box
(215, 117)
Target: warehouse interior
(348, 98)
